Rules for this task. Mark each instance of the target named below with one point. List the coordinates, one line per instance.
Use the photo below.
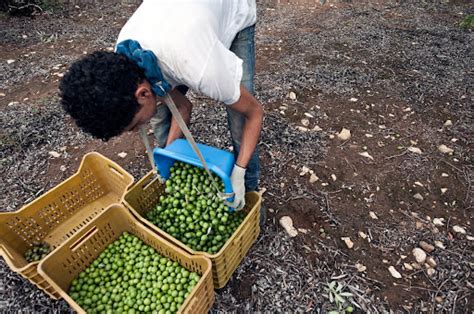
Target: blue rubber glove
(237, 180)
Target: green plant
(337, 296)
(467, 22)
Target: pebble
(448, 123)
(333, 177)
(426, 246)
(302, 128)
(317, 128)
(362, 235)
(445, 149)
(415, 150)
(459, 229)
(443, 190)
(439, 299)
(2, 94)
(122, 154)
(373, 215)
(54, 154)
(394, 272)
(438, 222)
(305, 122)
(360, 268)
(439, 244)
(304, 171)
(407, 266)
(431, 261)
(309, 115)
(313, 178)
(419, 254)
(10, 61)
(62, 168)
(353, 99)
(292, 95)
(418, 196)
(348, 242)
(366, 155)
(344, 135)
(431, 271)
(287, 223)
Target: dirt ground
(398, 75)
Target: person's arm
(253, 113)
(184, 107)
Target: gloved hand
(238, 185)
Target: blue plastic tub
(219, 161)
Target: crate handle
(116, 171)
(86, 236)
(4, 252)
(148, 183)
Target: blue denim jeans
(244, 47)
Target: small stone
(439, 244)
(445, 149)
(2, 94)
(333, 177)
(430, 272)
(287, 223)
(420, 255)
(366, 155)
(439, 299)
(316, 128)
(54, 154)
(353, 99)
(394, 272)
(419, 225)
(407, 266)
(292, 95)
(448, 123)
(362, 235)
(305, 231)
(305, 122)
(324, 184)
(459, 229)
(426, 246)
(313, 178)
(444, 175)
(348, 242)
(368, 135)
(122, 154)
(344, 135)
(360, 268)
(373, 215)
(309, 115)
(418, 196)
(10, 61)
(419, 183)
(415, 150)
(62, 168)
(304, 171)
(302, 128)
(430, 261)
(438, 222)
(470, 238)
(271, 210)
(443, 190)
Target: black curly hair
(98, 91)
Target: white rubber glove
(238, 185)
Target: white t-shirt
(191, 39)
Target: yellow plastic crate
(60, 213)
(144, 196)
(77, 253)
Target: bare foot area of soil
(359, 99)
